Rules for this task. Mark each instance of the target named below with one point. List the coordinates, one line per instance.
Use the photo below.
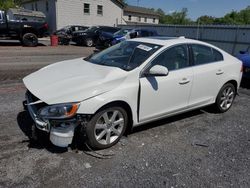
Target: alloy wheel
(227, 98)
(109, 127)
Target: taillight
(242, 68)
(46, 26)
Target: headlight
(59, 111)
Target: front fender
(128, 95)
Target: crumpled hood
(73, 81)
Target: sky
(196, 8)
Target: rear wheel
(225, 98)
(106, 127)
(30, 40)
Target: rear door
(208, 67)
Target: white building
(139, 15)
(60, 13)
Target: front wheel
(225, 98)
(106, 127)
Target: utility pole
(138, 2)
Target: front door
(162, 95)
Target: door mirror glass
(157, 70)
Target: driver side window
(173, 58)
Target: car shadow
(40, 140)
(15, 43)
(245, 83)
(167, 120)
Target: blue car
(244, 56)
(108, 39)
(135, 33)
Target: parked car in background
(106, 39)
(132, 83)
(136, 33)
(65, 34)
(24, 25)
(90, 36)
(244, 56)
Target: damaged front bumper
(61, 134)
(40, 124)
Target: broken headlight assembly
(59, 111)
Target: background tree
(180, 17)
(205, 20)
(6, 4)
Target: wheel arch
(126, 107)
(29, 30)
(234, 82)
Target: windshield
(121, 32)
(126, 55)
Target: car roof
(167, 41)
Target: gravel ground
(195, 149)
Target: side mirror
(157, 70)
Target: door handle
(219, 72)
(184, 81)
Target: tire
(30, 40)
(106, 127)
(225, 98)
(89, 42)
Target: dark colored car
(244, 56)
(90, 36)
(65, 34)
(106, 39)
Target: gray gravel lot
(196, 149)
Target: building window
(36, 8)
(47, 6)
(145, 19)
(129, 17)
(139, 19)
(99, 10)
(153, 20)
(86, 8)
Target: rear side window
(217, 55)
(204, 54)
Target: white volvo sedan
(129, 84)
